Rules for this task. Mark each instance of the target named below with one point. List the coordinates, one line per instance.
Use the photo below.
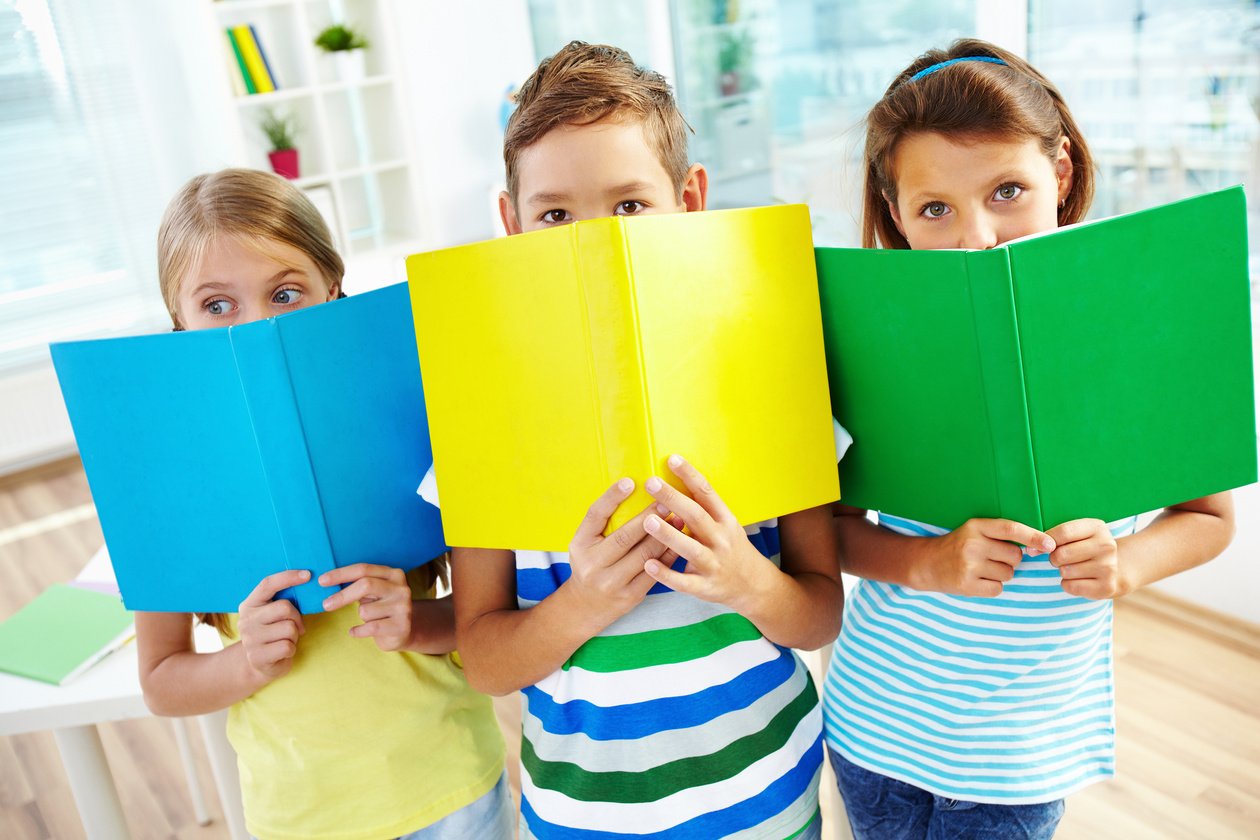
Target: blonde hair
(585, 83)
(256, 208)
(970, 99)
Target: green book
(1100, 370)
(62, 633)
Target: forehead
(928, 161)
(576, 160)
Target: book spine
(234, 73)
(253, 59)
(240, 62)
(271, 74)
(1002, 371)
(612, 327)
(277, 425)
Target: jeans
(492, 817)
(881, 808)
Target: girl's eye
(219, 307)
(629, 208)
(287, 297)
(555, 217)
(1008, 192)
(935, 210)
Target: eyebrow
(560, 198)
(212, 285)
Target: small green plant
(338, 38)
(281, 130)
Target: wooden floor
(1188, 686)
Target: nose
(978, 233)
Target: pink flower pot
(284, 162)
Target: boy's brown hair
(585, 83)
(968, 100)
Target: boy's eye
(555, 217)
(935, 210)
(219, 307)
(1008, 192)
(287, 297)
(629, 208)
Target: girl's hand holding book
(977, 557)
(1088, 559)
(269, 629)
(384, 598)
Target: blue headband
(927, 71)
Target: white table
(110, 691)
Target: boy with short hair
(671, 712)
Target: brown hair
(585, 83)
(257, 208)
(423, 579)
(969, 99)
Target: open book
(1099, 370)
(559, 361)
(218, 457)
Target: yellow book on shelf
(558, 361)
(252, 55)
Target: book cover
(1100, 370)
(262, 54)
(62, 633)
(556, 362)
(217, 457)
(248, 80)
(244, 35)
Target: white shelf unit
(352, 134)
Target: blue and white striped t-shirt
(1001, 700)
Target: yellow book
(253, 58)
(558, 361)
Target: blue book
(217, 457)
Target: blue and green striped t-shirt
(1001, 700)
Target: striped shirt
(678, 720)
(1005, 700)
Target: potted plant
(735, 53)
(348, 46)
(281, 131)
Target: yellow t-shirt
(358, 743)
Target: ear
(1063, 168)
(695, 192)
(334, 291)
(511, 224)
(895, 213)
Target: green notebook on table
(62, 633)
(1100, 370)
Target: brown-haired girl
(335, 737)
(971, 688)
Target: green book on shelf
(62, 633)
(1099, 370)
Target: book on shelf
(558, 361)
(1099, 370)
(242, 85)
(218, 457)
(255, 70)
(62, 633)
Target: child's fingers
(266, 634)
(271, 584)
(689, 510)
(591, 529)
(367, 588)
(1075, 530)
(384, 610)
(1016, 532)
(672, 538)
(998, 571)
(625, 539)
(688, 584)
(277, 651)
(1074, 553)
(271, 613)
(701, 490)
(349, 574)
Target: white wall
(457, 60)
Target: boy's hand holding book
(1088, 558)
(607, 572)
